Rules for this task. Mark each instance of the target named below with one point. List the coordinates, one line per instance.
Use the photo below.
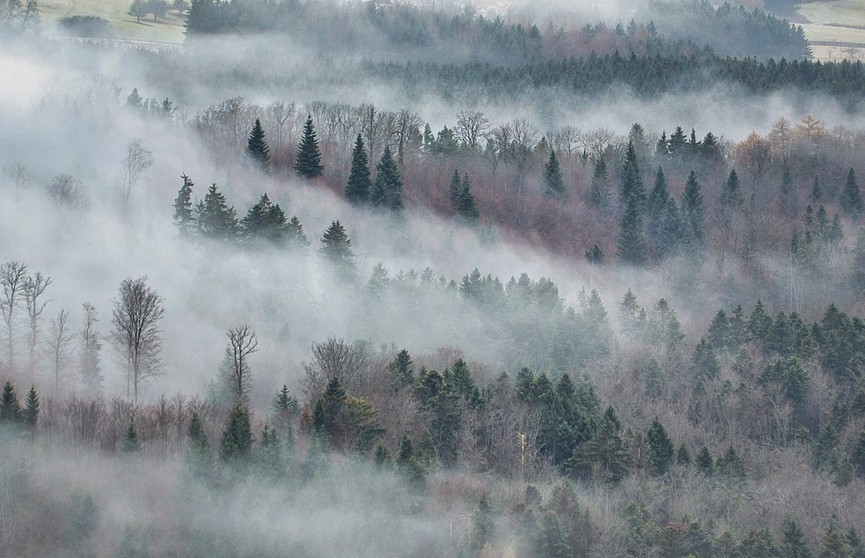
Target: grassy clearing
(124, 26)
(835, 21)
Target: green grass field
(168, 29)
(837, 27)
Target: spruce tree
(851, 196)
(631, 244)
(359, 186)
(731, 195)
(400, 366)
(693, 212)
(199, 459)
(554, 181)
(599, 192)
(131, 442)
(705, 362)
(216, 219)
(455, 192)
(336, 250)
(387, 188)
(265, 221)
(656, 212)
(660, 448)
(183, 216)
(632, 181)
(794, 541)
(10, 409)
(30, 415)
(257, 150)
(595, 255)
(236, 443)
(295, 238)
(307, 163)
(466, 208)
(705, 463)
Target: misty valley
(355, 278)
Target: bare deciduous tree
(136, 334)
(60, 346)
(471, 125)
(34, 287)
(241, 344)
(138, 159)
(68, 191)
(89, 347)
(335, 358)
(13, 275)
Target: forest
(430, 279)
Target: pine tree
(554, 181)
(660, 448)
(183, 216)
(387, 188)
(10, 409)
(359, 186)
(236, 444)
(336, 250)
(307, 163)
(199, 459)
(851, 196)
(631, 244)
(131, 443)
(257, 150)
(216, 219)
(693, 212)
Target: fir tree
(336, 250)
(10, 409)
(705, 463)
(599, 192)
(295, 238)
(359, 186)
(660, 448)
(554, 181)
(731, 195)
(216, 219)
(387, 188)
(131, 443)
(183, 216)
(851, 196)
(456, 192)
(705, 362)
(307, 163)
(794, 541)
(466, 209)
(257, 150)
(265, 221)
(631, 244)
(683, 455)
(30, 415)
(236, 443)
(657, 206)
(632, 181)
(199, 459)
(400, 366)
(693, 212)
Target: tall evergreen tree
(554, 180)
(466, 209)
(816, 191)
(693, 212)
(10, 408)
(455, 192)
(199, 459)
(265, 221)
(183, 216)
(30, 415)
(851, 196)
(131, 443)
(660, 448)
(794, 541)
(387, 188)
(257, 150)
(359, 186)
(631, 244)
(336, 250)
(599, 192)
(216, 219)
(295, 238)
(632, 181)
(307, 163)
(657, 206)
(731, 195)
(236, 443)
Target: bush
(86, 26)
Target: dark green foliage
(455, 191)
(216, 219)
(257, 150)
(331, 404)
(30, 415)
(359, 186)
(656, 215)
(759, 544)
(731, 195)
(835, 544)
(410, 465)
(554, 181)
(336, 251)
(437, 397)
(269, 454)
(307, 162)
(683, 455)
(387, 187)
(730, 465)
(10, 409)
(595, 256)
(236, 445)
(284, 403)
(466, 208)
(631, 243)
(605, 456)
(295, 238)
(599, 192)
(694, 215)
(789, 373)
(664, 327)
(851, 196)
(660, 448)
(199, 458)
(794, 541)
(857, 455)
(87, 26)
(816, 191)
(858, 275)
(131, 444)
(720, 334)
(265, 221)
(183, 216)
(759, 323)
(632, 182)
(705, 361)
(705, 463)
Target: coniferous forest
(431, 279)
